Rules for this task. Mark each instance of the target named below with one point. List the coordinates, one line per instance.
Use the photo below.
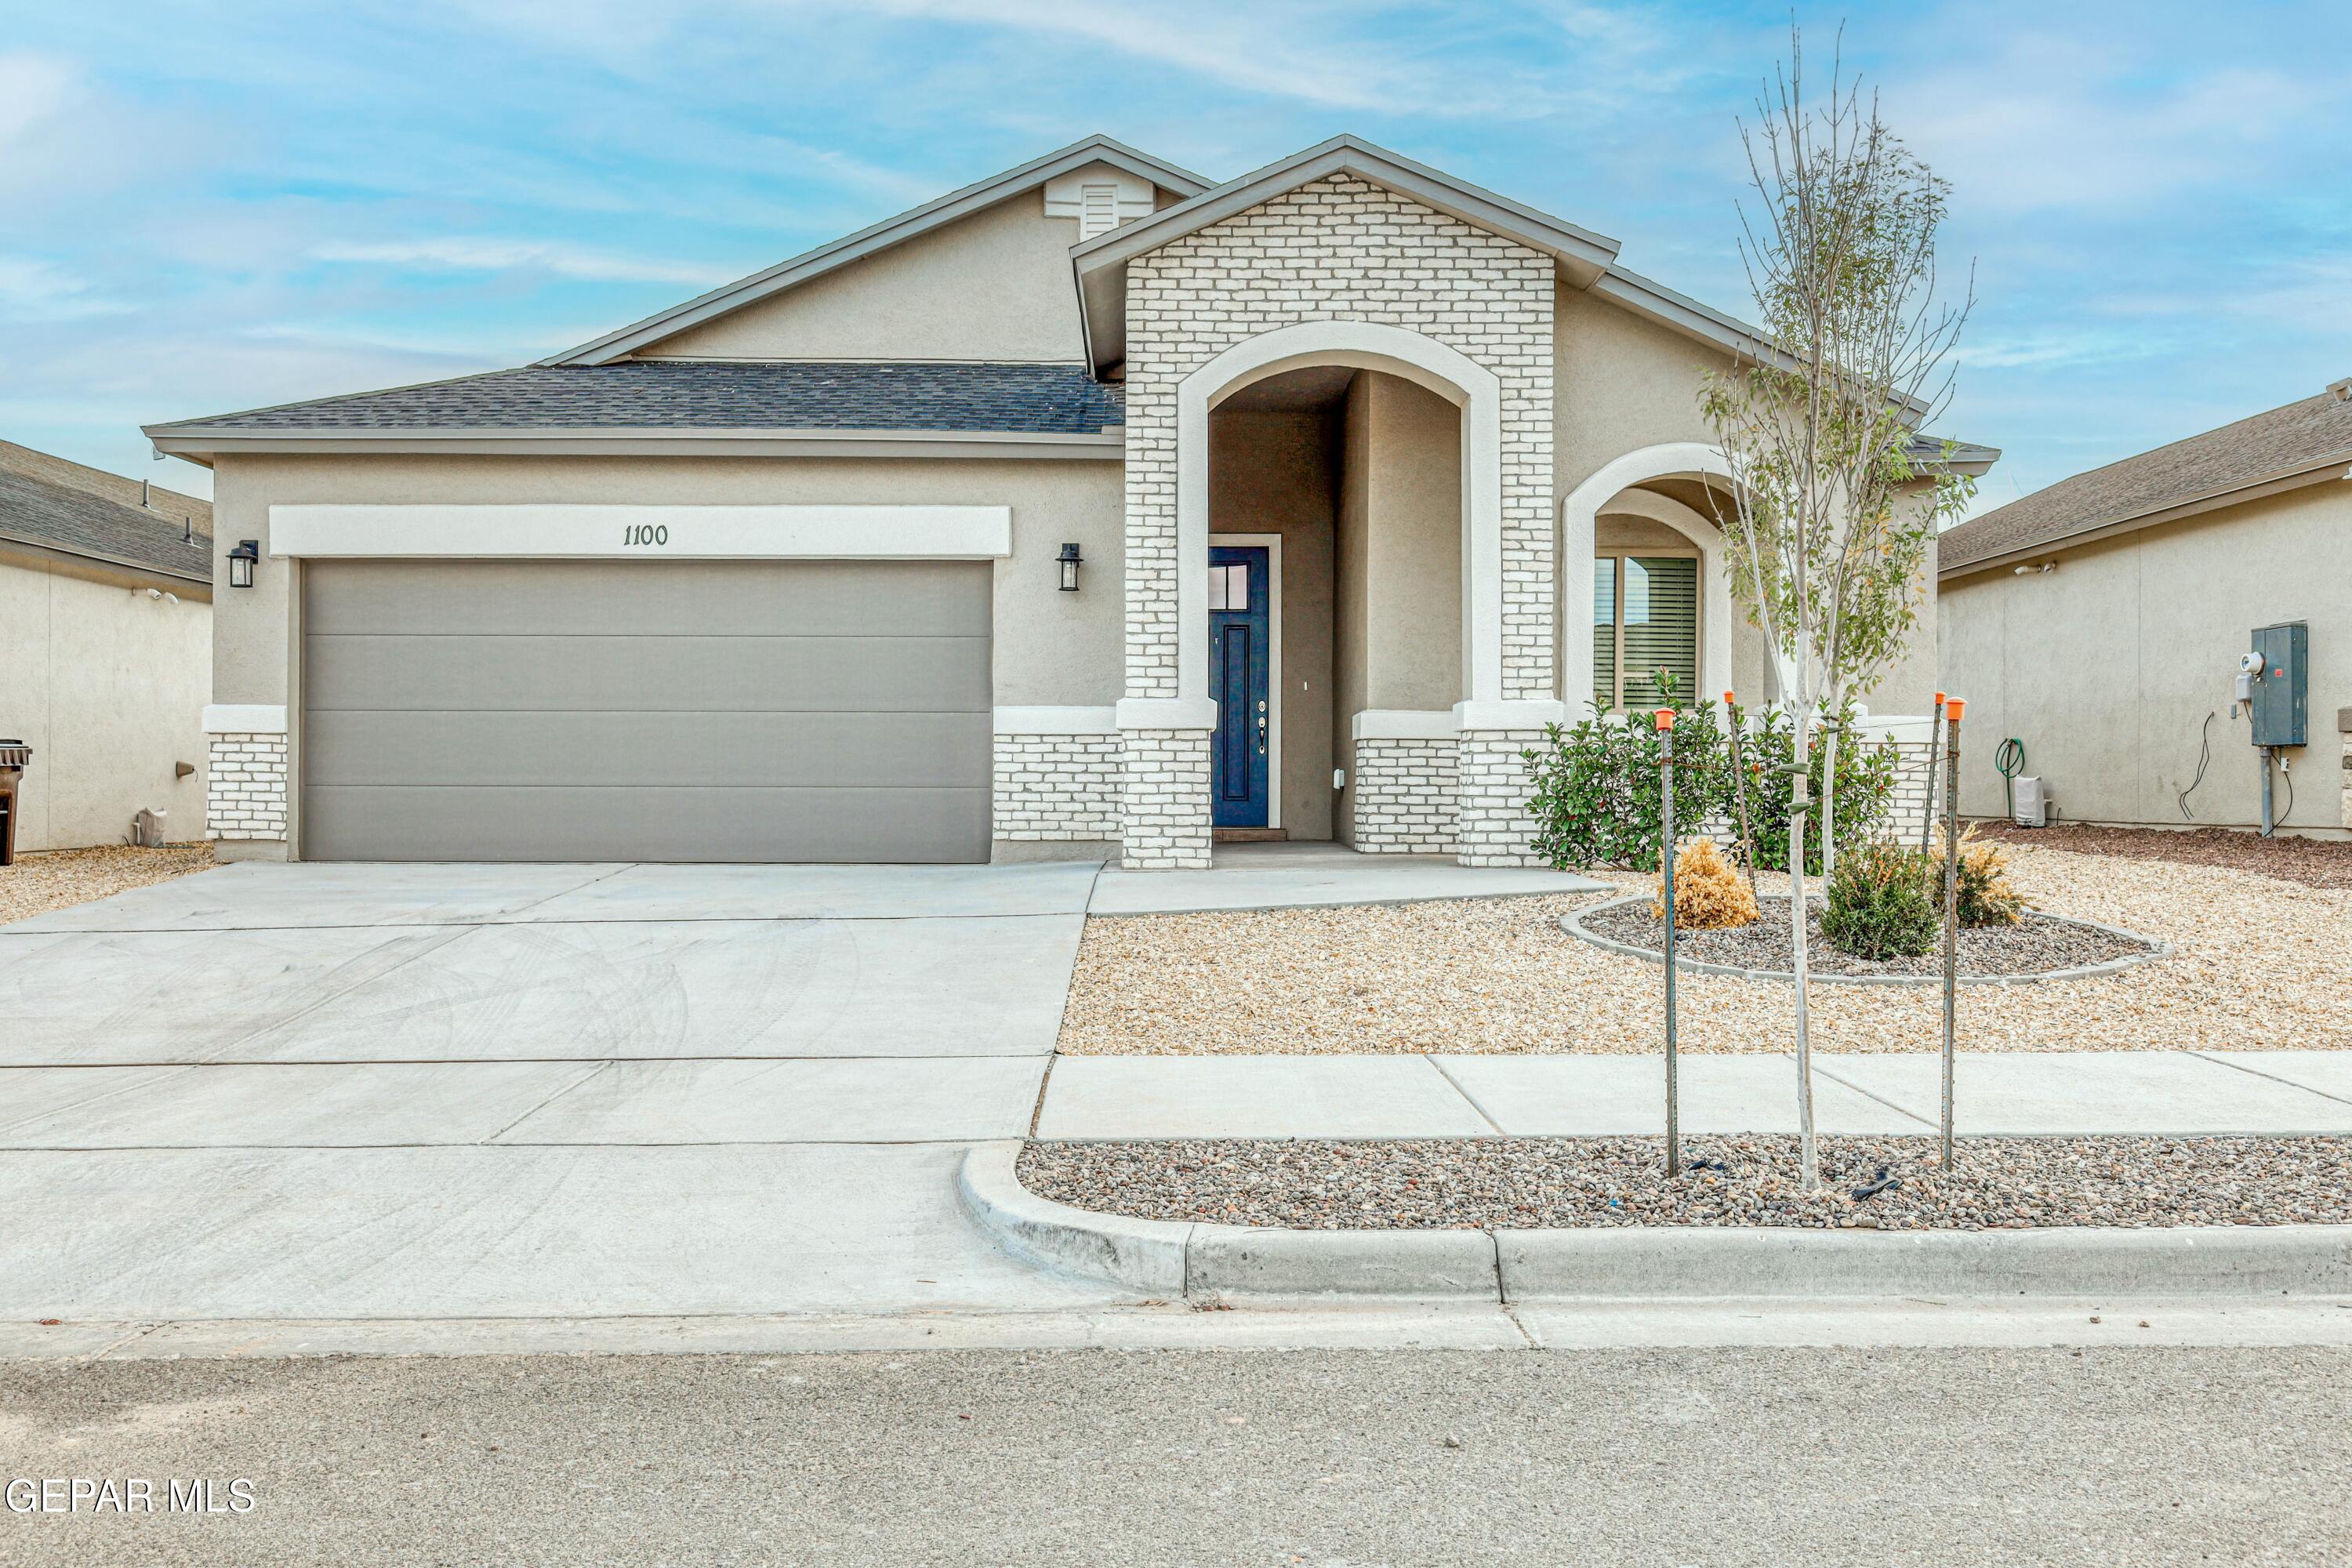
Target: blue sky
(213, 206)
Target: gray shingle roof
(2294, 439)
(645, 395)
(35, 512)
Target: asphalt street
(2100, 1455)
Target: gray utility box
(2282, 696)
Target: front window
(1645, 619)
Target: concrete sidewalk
(2164, 1092)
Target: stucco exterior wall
(2106, 668)
(1622, 383)
(995, 286)
(1269, 472)
(1052, 648)
(107, 686)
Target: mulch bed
(1995, 1184)
(2313, 862)
(2036, 945)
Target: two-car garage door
(646, 711)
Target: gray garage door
(646, 711)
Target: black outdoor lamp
(1071, 560)
(240, 563)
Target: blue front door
(1241, 591)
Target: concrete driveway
(453, 1090)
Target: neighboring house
(106, 652)
(1089, 510)
(2100, 623)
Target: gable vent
(1099, 196)
(1098, 210)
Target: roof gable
(1101, 263)
(825, 258)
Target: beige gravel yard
(58, 878)
(2259, 962)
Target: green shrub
(1596, 788)
(1883, 902)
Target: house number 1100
(646, 533)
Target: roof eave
(48, 549)
(202, 445)
(2335, 467)
(891, 231)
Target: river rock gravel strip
(2035, 945)
(1995, 1184)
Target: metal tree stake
(1666, 860)
(1951, 905)
(1739, 792)
(1928, 807)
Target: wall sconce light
(240, 563)
(1071, 560)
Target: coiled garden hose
(2011, 760)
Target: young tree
(1836, 496)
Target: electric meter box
(2282, 694)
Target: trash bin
(14, 755)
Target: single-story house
(106, 649)
(2101, 623)
(1095, 508)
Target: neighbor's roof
(52, 516)
(794, 397)
(2299, 444)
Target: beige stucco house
(105, 649)
(1095, 508)
(2101, 623)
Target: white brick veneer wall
(1058, 786)
(1338, 249)
(245, 791)
(1405, 796)
(1164, 806)
(1494, 825)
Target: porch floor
(1297, 876)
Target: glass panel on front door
(1241, 596)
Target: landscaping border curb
(1574, 924)
(1214, 1262)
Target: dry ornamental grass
(2259, 962)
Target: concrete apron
(1224, 1263)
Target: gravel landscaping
(1516, 1184)
(59, 878)
(2037, 944)
(2258, 962)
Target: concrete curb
(1147, 1253)
(1209, 1262)
(1422, 1265)
(2071, 1261)
(1574, 924)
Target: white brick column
(1404, 796)
(1164, 812)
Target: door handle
(1260, 728)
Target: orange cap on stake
(1726, 700)
(1666, 717)
(1953, 707)
(1939, 702)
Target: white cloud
(34, 291)
(461, 254)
